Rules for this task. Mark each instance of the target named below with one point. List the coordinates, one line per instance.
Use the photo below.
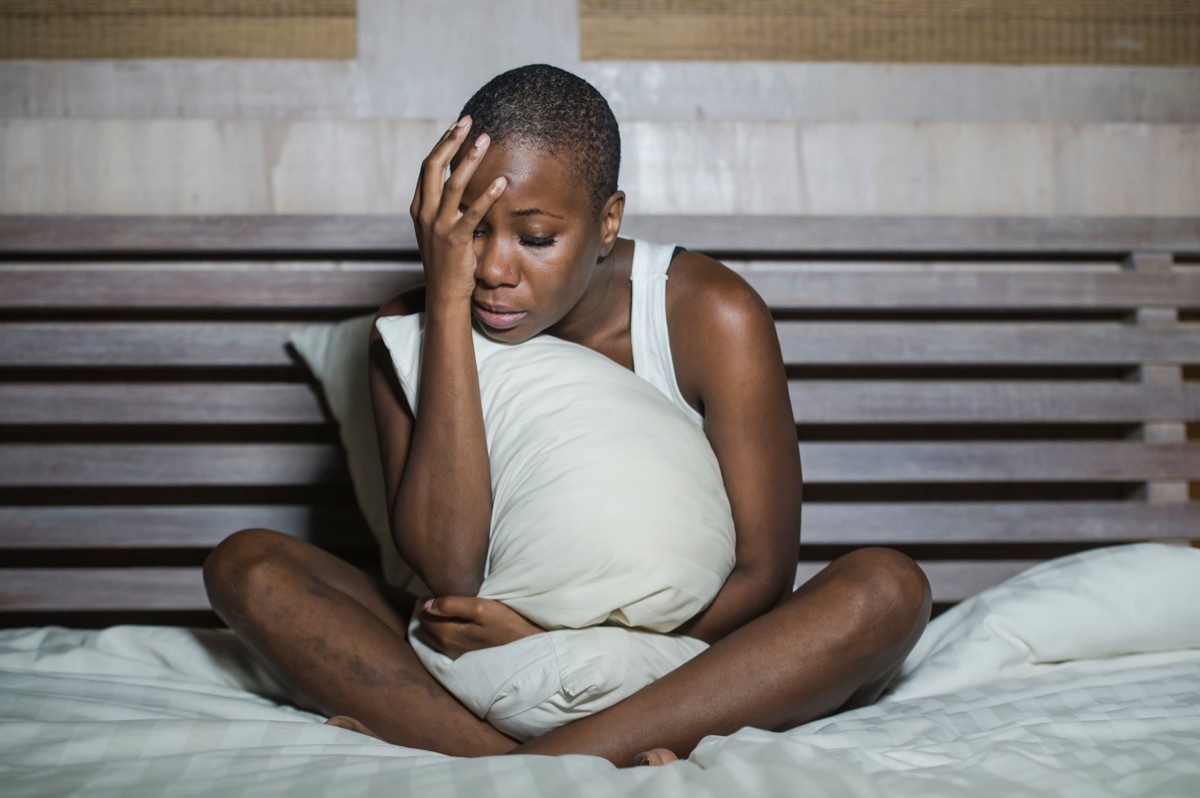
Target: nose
(495, 264)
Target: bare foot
(347, 722)
(656, 756)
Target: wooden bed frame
(981, 393)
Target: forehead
(536, 179)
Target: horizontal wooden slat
(966, 287)
(813, 402)
(200, 234)
(949, 580)
(146, 344)
(889, 343)
(934, 402)
(115, 289)
(1032, 461)
(146, 527)
(888, 234)
(101, 589)
(956, 581)
(23, 465)
(106, 589)
(830, 524)
(828, 343)
(970, 288)
(884, 524)
(724, 233)
(129, 465)
(159, 403)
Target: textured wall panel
(911, 31)
(177, 29)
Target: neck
(603, 311)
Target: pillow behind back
(607, 501)
(337, 355)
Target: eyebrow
(535, 212)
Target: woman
(521, 240)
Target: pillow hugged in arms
(608, 505)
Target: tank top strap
(648, 332)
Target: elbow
(775, 583)
(765, 587)
(445, 576)
(452, 587)
(447, 570)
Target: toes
(655, 756)
(347, 722)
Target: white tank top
(648, 323)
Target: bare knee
(237, 571)
(890, 607)
(891, 595)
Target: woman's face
(537, 248)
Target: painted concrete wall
(347, 136)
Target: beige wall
(347, 136)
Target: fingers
(465, 608)
(444, 627)
(474, 214)
(437, 200)
(452, 191)
(432, 635)
(427, 199)
(456, 624)
(415, 206)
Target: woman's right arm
(435, 465)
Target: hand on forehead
(538, 181)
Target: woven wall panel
(177, 29)
(1132, 32)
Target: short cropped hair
(552, 110)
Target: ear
(610, 222)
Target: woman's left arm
(727, 358)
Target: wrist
(452, 309)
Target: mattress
(1080, 678)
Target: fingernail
(462, 122)
(500, 183)
(428, 603)
(482, 141)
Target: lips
(497, 318)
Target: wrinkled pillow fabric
(608, 503)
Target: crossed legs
(335, 638)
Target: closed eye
(537, 241)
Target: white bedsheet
(154, 711)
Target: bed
(1005, 399)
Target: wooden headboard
(981, 393)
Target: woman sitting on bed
(522, 239)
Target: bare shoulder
(719, 324)
(705, 298)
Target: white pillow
(337, 355)
(1131, 599)
(608, 503)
